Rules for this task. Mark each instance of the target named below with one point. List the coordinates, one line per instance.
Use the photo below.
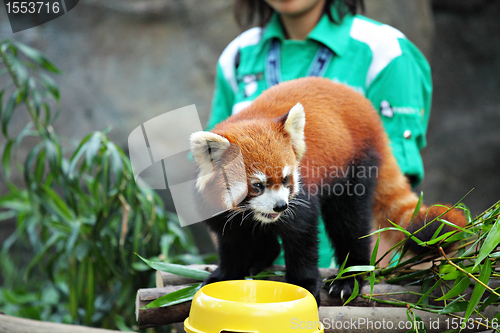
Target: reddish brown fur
(340, 124)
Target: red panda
(309, 147)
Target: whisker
(244, 217)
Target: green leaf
(488, 301)
(37, 57)
(418, 323)
(457, 290)
(424, 298)
(365, 268)
(46, 246)
(175, 297)
(57, 204)
(490, 243)
(93, 147)
(75, 232)
(417, 207)
(121, 324)
(50, 85)
(457, 305)
(76, 156)
(116, 161)
(6, 158)
(180, 270)
(355, 292)
(373, 260)
(341, 268)
(90, 297)
(8, 111)
(53, 151)
(2, 92)
(440, 238)
(478, 292)
(13, 202)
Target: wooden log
(395, 320)
(164, 279)
(159, 316)
(9, 324)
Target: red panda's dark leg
(232, 245)
(346, 207)
(299, 232)
(244, 248)
(265, 248)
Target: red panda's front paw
(344, 288)
(211, 279)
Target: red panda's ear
(294, 125)
(207, 147)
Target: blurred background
(127, 61)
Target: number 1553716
(32, 7)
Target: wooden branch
(164, 279)
(159, 316)
(9, 324)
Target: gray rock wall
(464, 131)
(127, 61)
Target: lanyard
(273, 68)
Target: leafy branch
(80, 216)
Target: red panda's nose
(280, 206)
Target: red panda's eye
(258, 187)
(285, 180)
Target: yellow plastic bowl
(253, 306)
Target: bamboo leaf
(90, 299)
(116, 161)
(341, 268)
(53, 152)
(37, 57)
(6, 158)
(425, 296)
(8, 111)
(488, 301)
(2, 92)
(175, 297)
(457, 290)
(479, 289)
(418, 323)
(448, 223)
(440, 238)
(180, 270)
(355, 292)
(457, 305)
(93, 147)
(365, 268)
(436, 233)
(417, 207)
(373, 260)
(490, 243)
(50, 85)
(57, 204)
(46, 246)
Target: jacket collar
(332, 35)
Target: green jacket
(375, 59)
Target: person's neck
(299, 26)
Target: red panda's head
(252, 165)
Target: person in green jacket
(298, 38)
